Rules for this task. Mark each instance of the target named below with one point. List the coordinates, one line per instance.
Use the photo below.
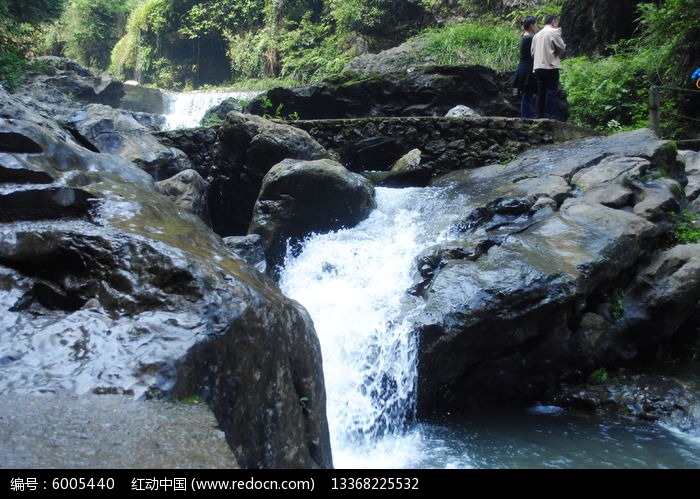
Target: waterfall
(186, 109)
(353, 283)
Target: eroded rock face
(301, 197)
(70, 78)
(112, 131)
(536, 285)
(431, 91)
(108, 287)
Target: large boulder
(430, 91)
(301, 197)
(234, 157)
(68, 77)
(535, 285)
(112, 131)
(111, 288)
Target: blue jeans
(527, 105)
(547, 93)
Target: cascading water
(353, 283)
(186, 109)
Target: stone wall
(446, 144)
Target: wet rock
(661, 398)
(250, 248)
(428, 91)
(301, 197)
(543, 291)
(267, 143)
(189, 191)
(234, 157)
(43, 203)
(111, 131)
(70, 78)
(134, 295)
(407, 171)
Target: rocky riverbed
(114, 277)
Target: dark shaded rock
(111, 131)
(407, 171)
(430, 91)
(43, 202)
(14, 142)
(301, 197)
(664, 398)
(189, 191)
(70, 78)
(590, 26)
(376, 153)
(136, 296)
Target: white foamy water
(353, 283)
(186, 109)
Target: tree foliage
(609, 93)
(19, 24)
(88, 30)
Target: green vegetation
(20, 26)
(617, 305)
(88, 30)
(188, 44)
(614, 89)
(490, 45)
(686, 228)
(599, 376)
(192, 400)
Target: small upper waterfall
(353, 283)
(186, 109)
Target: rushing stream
(353, 283)
(186, 109)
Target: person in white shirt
(548, 47)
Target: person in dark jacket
(524, 79)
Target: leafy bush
(617, 87)
(88, 30)
(607, 93)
